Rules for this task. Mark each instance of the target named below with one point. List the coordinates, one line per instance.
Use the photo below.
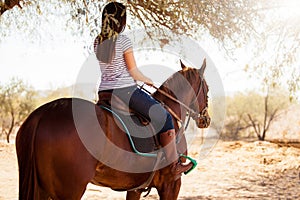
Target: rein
(192, 113)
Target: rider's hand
(149, 82)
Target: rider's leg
(167, 140)
(162, 122)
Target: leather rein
(192, 113)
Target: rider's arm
(132, 68)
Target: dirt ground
(233, 170)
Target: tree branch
(254, 126)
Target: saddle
(113, 101)
(141, 131)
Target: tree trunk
(7, 138)
(261, 137)
(12, 124)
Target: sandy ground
(233, 170)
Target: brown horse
(67, 143)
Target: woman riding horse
(120, 73)
(67, 143)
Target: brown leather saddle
(111, 100)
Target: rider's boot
(167, 140)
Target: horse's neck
(174, 106)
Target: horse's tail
(25, 140)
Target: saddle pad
(142, 136)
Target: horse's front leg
(133, 195)
(169, 190)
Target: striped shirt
(115, 74)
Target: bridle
(202, 114)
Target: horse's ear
(182, 65)
(202, 69)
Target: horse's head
(199, 99)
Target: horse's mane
(179, 80)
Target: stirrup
(193, 161)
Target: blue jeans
(142, 103)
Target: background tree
(235, 121)
(269, 28)
(267, 109)
(224, 20)
(16, 102)
(275, 51)
(254, 111)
